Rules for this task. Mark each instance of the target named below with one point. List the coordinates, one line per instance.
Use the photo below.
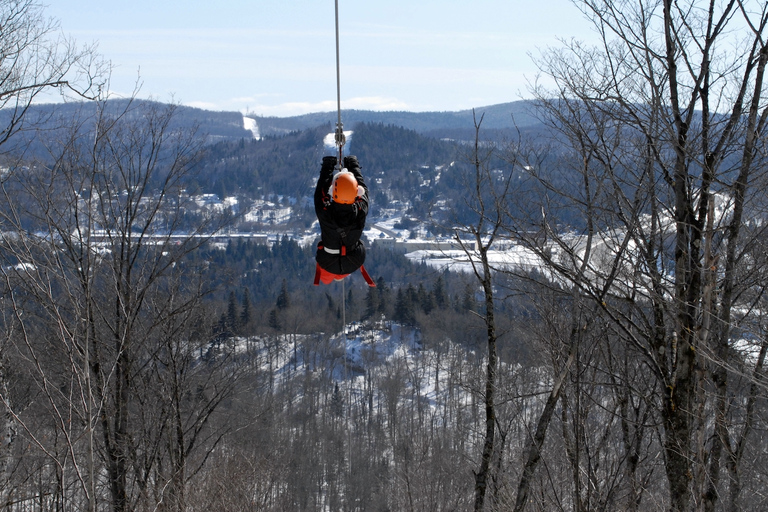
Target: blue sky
(277, 57)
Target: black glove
(350, 162)
(329, 162)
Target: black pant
(338, 264)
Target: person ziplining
(341, 206)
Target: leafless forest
(623, 371)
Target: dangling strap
(367, 277)
(317, 265)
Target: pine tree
(439, 293)
(468, 300)
(412, 296)
(371, 303)
(283, 299)
(400, 306)
(384, 295)
(274, 320)
(425, 300)
(351, 305)
(404, 304)
(232, 318)
(222, 329)
(245, 313)
(337, 402)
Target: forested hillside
(116, 283)
(499, 119)
(400, 165)
(42, 123)
(569, 313)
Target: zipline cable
(339, 127)
(340, 140)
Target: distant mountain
(413, 160)
(219, 126)
(55, 116)
(497, 118)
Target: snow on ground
(384, 224)
(250, 124)
(311, 237)
(374, 230)
(748, 347)
(379, 352)
(362, 352)
(511, 258)
(211, 202)
(268, 212)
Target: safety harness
(341, 252)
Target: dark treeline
(281, 165)
(258, 278)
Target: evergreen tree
(468, 299)
(222, 329)
(283, 299)
(404, 307)
(274, 320)
(425, 300)
(412, 297)
(232, 317)
(384, 295)
(400, 306)
(371, 303)
(245, 313)
(351, 306)
(337, 402)
(439, 293)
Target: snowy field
(512, 259)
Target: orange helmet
(344, 188)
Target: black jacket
(340, 224)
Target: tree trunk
(6, 437)
(482, 475)
(533, 451)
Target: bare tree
(99, 275)
(485, 200)
(34, 59)
(667, 128)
